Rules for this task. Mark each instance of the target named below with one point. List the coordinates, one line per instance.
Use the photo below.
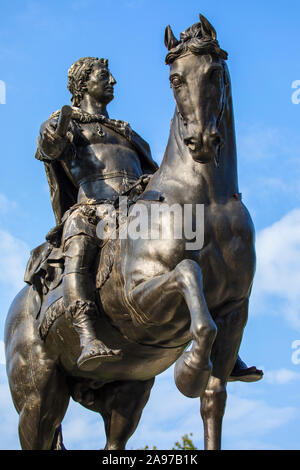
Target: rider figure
(100, 158)
(97, 160)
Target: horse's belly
(139, 362)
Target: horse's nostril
(191, 143)
(216, 140)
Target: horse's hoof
(190, 380)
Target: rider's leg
(79, 297)
(244, 373)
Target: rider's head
(91, 75)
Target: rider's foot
(94, 353)
(244, 373)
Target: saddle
(45, 268)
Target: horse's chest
(228, 257)
(229, 226)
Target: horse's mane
(193, 40)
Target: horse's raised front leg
(224, 354)
(154, 297)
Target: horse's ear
(170, 39)
(207, 28)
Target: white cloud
(263, 144)
(278, 253)
(9, 417)
(269, 170)
(241, 417)
(6, 205)
(278, 268)
(281, 376)
(83, 429)
(2, 352)
(253, 444)
(14, 254)
(259, 142)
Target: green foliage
(186, 443)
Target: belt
(108, 175)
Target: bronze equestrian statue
(99, 319)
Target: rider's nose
(112, 80)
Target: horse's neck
(194, 182)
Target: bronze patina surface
(100, 318)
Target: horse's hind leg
(159, 298)
(43, 410)
(224, 354)
(121, 405)
(38, 388)
(129, 400)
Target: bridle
(220, 115)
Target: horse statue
(161, 295)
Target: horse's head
(198, 77)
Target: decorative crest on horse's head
(200, 38)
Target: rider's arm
(52, 146)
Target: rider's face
(101, 84)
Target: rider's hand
(51, 144)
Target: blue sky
(38, 43)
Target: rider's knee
(79, 252)
(78, 245)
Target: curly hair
(78, 76)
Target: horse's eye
(176, 81)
